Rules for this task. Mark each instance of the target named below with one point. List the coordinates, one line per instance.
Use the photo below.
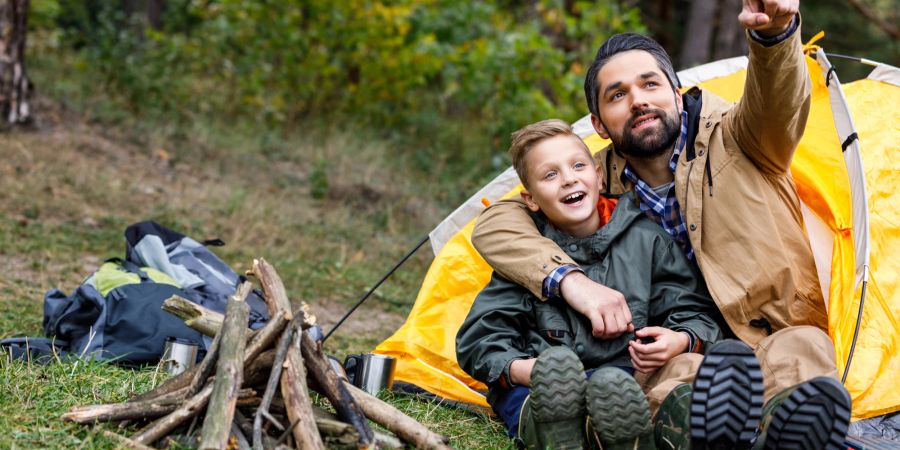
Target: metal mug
(370, 372)
(338, 367)
(179, 355)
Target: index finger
(647, 349)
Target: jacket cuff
(551, 285)
(768, 42)
(695, 344)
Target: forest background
(327, 137)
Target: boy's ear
(529, 201)
(598, 126)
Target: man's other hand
(666, 344)
(768, 17)
(604, 307)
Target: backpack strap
(131, 267)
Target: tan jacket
(747, 231)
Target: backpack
(116, 312)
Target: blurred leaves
(403, 63)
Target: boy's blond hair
(528, 136)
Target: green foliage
(318, 179)
(406, 67)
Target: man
(716, 177)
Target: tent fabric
(424, 345)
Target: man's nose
(638, 101)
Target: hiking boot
(553, 415)
(672, 424)
(727, 398)
(811, 415)
(618, 410)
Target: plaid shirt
(665, 210)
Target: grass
(331, 208)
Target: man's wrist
(769, 38)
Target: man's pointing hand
(768, 17)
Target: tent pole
(862, 299)
(385, 277)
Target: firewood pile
(217, 403)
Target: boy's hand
(604, 307)
(647, 358)
(768, 17)
(520, 371)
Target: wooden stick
(266, 336)
(206, 367)
(195, 316)
(242, 443)
(272, 385)
(229, 370)
(149, 409)
(333, 388)
(345, 435)
(398, 423)
(164, 426)
(275, 295)
(296, 398)
(180, 381)
(256, 373)
(118, 411)
(124, 442)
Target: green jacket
(630, 254)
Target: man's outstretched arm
(769, 120)
(508, 240)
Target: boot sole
(815, 416)
(728, 397)
(557, 397)
(618, 408)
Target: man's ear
(679, 102)
(600, 177)
(529, 201)
(598, 126)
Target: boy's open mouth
(574, 197)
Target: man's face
(564, 183)
(639, 110)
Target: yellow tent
(853, 235)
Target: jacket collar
(586, 249)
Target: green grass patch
(331, 208)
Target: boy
(616, 244)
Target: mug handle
(352, 366)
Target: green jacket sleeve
(679, 298)
(495, 331)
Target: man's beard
(653, 143)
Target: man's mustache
(634, 116)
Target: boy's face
(639, 109)
(564, 183)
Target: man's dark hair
(622, 43)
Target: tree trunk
(698, 33)
(730, 40)
(14, 84)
